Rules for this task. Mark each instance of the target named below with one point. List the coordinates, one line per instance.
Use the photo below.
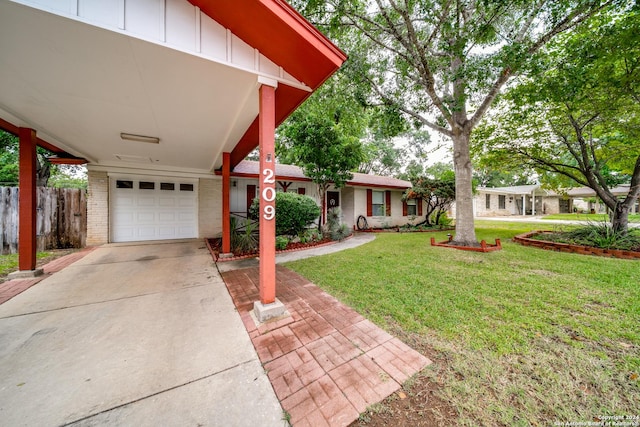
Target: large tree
(9, 163)
(443, 62)
(578, 120)
(326, 154)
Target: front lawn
(521, 336)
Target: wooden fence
(61, 218)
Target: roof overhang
(251, 169)
(80, 84)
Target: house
(377, 198)
(155, 96)
(585, 199)
(519, 200)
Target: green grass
(532, 336)
(9, 263)
(587, 217)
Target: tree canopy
(442, 63)
(577, 121)
(70, 176)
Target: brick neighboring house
(377, 198)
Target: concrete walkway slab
(131, 335)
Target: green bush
(281, 243)
(244, 236)
(294, 212)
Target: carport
(162, 87)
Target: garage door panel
(186, 216)
(153, 209)
(147, 233)
(167, 202)
(166, 216)
(146, 217)
(147, 201)
(167, 232)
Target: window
(124, 184)
(502, 202)
(377, 203)
(169, 186)
(144, 185)
(488, 201)
(186, 187)
(412, 207)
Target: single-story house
(585, 199)
(377, 198)
(519, 200)
(155, 96)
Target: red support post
(267, 127)
(226, 211)
(27, 200)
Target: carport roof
(80, 83)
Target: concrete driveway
(135, 335)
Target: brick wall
(210, 207)
(97, 208)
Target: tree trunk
(465, 229)
(322, 189)
(620, 218)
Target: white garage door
(153, 209)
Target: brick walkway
(11, 288)
(326, 363)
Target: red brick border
(525, 240)
(11, 288)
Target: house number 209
(269, 194)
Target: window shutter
(404, 208)
(251, 194)
(419, 207)
(369, 202)
(387, 202)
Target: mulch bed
(527, 240)
(215, 245)
(484, 246)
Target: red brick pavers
(11, 288)
(326, 362)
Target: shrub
(281, 243)
(341, 232)
(294, 212)
(333, 219)
(244, 237)
(444, 221)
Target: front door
(333, 199)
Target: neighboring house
(585, 199)
(154, 96)
(377, 198)
(519, 200)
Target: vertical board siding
(61, 220)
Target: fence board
(61, 220)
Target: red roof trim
(304, 179)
